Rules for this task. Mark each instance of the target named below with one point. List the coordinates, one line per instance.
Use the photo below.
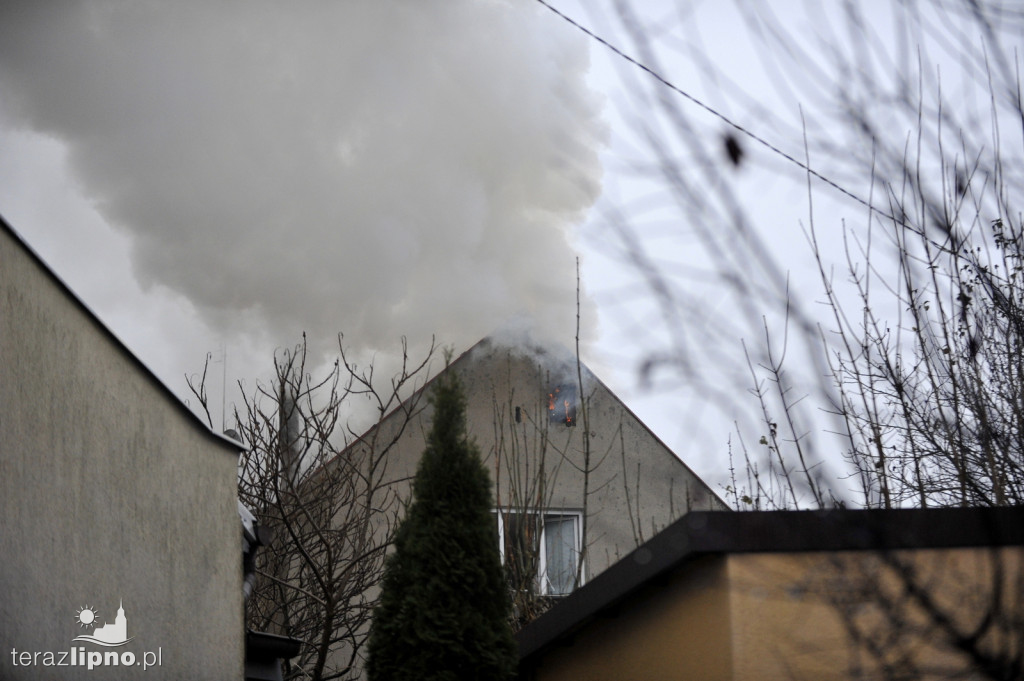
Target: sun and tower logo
(110, 635)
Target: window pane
(560, 553)
(520, 548)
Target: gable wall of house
(636, 486)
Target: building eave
(704, 533)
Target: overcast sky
(228, 175)
(236, 174)
(384, 167)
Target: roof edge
(701, 533)
(223, 440)
(492, 339)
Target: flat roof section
(703, 533)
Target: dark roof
(703, 533)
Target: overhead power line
(722, 117)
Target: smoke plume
(378, 167)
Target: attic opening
(562, 405)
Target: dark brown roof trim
(722, 532)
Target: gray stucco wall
(637, 486)
(110, 492)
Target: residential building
(574, 470)
(579, 480)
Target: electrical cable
(725, 119)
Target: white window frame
(542, 563)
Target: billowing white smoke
(379, 167)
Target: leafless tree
(908, 616)
(325, 493)
(532, 448)
(906, 118)
(529, 456)
(526, 467)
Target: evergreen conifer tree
(443, 610)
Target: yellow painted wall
(678, 630)
(850, 615)
(789, 617)
(781, 628)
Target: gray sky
(237, 173)
(389, 168)
(232, 174)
